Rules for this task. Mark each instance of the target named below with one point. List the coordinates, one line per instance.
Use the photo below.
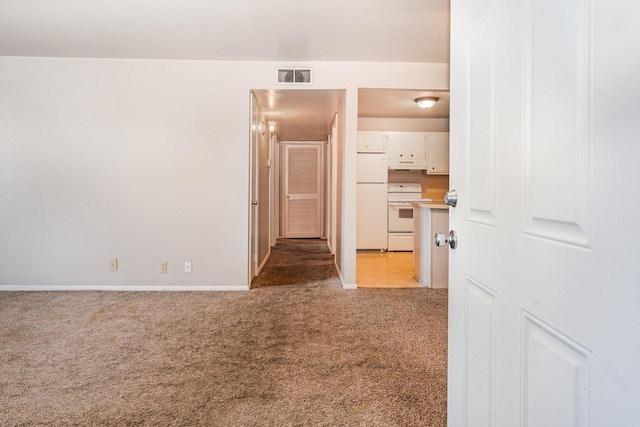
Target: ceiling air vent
(294, 75)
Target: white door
(273, 187)
(333, 192)
(371, 216)
(253, 190)
(303, 190)
(544, 325)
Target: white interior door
(273, 189)
(303, 189)
(544, 325)
(333, 192)
(253, 190)
(328, 189)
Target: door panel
(557, 133)
(481, 99)
(555, 377)
(543, 318)
(479, 339)
(303, 190)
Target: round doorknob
(451, 198)
(450, 239)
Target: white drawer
(400, 242)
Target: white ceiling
(300, 114)
(400, 103)
(307, 114)
(274, 30)
(305, 30)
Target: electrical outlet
(113, 264)
(187, 266)
(163, 267)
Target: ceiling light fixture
(426, 102)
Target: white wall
(147, 161)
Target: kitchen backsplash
(433, 186)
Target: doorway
(291, 131)
(388, 120)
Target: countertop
(431, 205)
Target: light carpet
(293, 355)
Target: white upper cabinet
(438, 153)
(372, 142)
(417, 145)
(397, 145)
(427, 151)
(407, 150)
(396, 142)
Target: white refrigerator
(371, 201)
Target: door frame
(254, 178)
(332, 190)
(274, 188)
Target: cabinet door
(416, 145)
(438, 149)
(396, 145)
(372, 142)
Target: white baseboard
(121, 288)
(344, 285)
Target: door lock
(450, 239)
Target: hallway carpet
(308, 354)
(297, 261)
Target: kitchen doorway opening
(396, 152)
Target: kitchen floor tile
(385, 270)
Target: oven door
(400, 217)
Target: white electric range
(400, 219)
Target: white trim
(266, 258)
(131, 288)
(347, 286)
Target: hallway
(297, 262)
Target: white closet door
(303, 190)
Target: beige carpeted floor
(293, 355)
